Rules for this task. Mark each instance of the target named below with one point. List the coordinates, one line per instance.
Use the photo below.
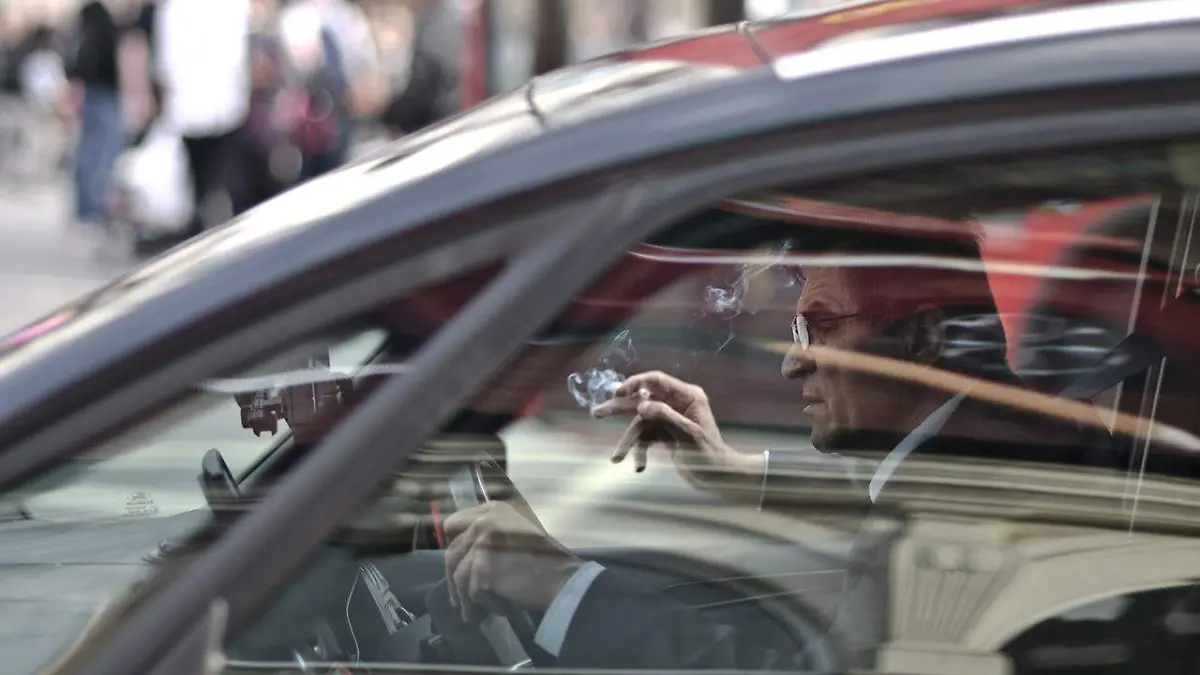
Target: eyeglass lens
(800, 331)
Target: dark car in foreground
(238, 458)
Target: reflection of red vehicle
(1013, 250)
(1040, 240)
(754, 44)
(664, 296)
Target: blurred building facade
(22, 13)
(593, 27)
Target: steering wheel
(508, 630)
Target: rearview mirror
(217, 482)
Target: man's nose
(798, 363)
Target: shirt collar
(924, 431)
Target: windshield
(80, 535)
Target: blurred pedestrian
(272, 161)
(43, 75)
(45, 90)
(140, 90)
(101, 135)
(431, 92)
(202, 56)
(15, 46)
(351, 32)
(319, 92)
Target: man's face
(839, 403)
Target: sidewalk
(39, 268)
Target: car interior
(392, 551)
(709, 299)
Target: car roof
(565, 124)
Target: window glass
(941, 413)
(82, 534)
(80, 537)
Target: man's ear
(925, 335)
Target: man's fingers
(456, 553)
(479, 581)
(656, 382)
(464, 529)
(460, 521)
(628, 439)
(461, 583)
(661, 413)
(658, 385)
(460, 545)
(640, 453)
(451, 571)
(616, 406)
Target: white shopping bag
(155, 185)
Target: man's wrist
(556, 621)
(556, 580)
(751, 465)
(740, 477)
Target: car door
(541, 280)
(946, 537)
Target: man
(202, 57)
(922, 321)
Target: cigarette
(643, 393)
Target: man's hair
(959, 257)
(947, 272)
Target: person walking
(101, 135)
(202, 55)
(432, 90)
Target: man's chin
(855, 441)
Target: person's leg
(113, 143)
(88, 151)
(198, 149)
(319, 165)
(261, 184)
(231, 174)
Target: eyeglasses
(802, 335)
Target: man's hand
(672, 412)
(494, 549)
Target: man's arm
(789, 477)
(552, 632)
(776, 479)
(671, 636)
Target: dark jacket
(432, 92)
(95, 60)
(620, 625)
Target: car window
(938, 416)
(80, 535)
